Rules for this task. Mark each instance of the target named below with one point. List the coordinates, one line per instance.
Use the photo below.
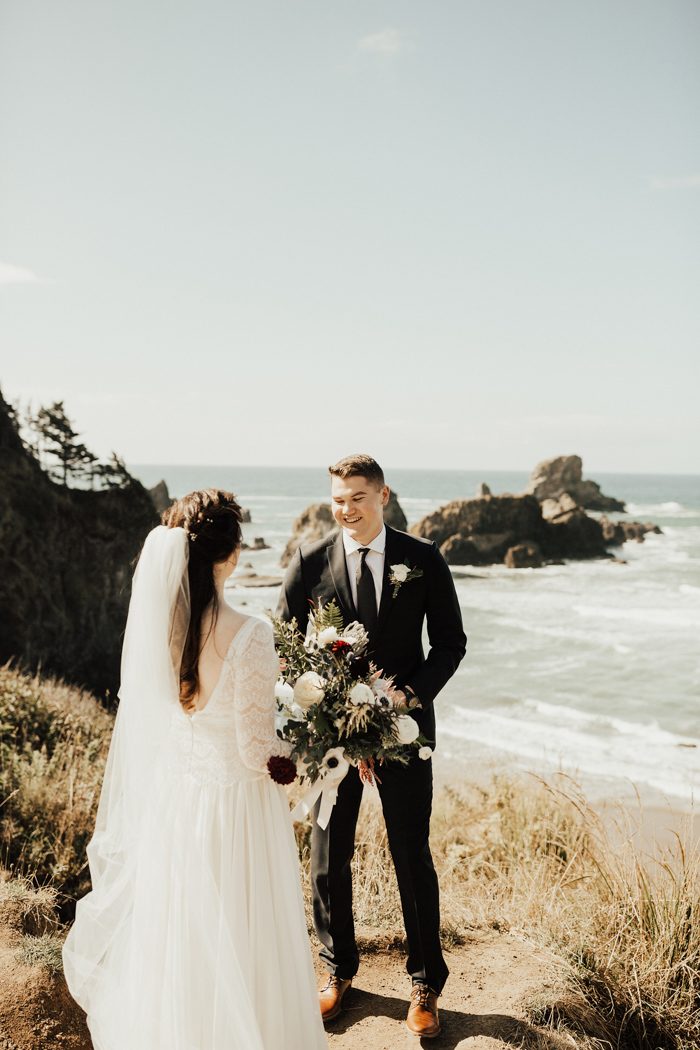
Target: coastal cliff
(67, 558)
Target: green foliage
(114, 474)
(328, 615)
(58, 443)
(42, 951)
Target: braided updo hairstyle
(212, 520)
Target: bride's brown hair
(212, 520)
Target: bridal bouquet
(335, 708)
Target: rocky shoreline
(543, 525)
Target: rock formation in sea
(67, 561)
(616, 533)
(160, 496)
(483, 530)
(317, 521)
(522, 532)
(258, 544)
(564, 474)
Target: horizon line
(436, 470)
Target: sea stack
(554, 478)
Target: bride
(193, 936)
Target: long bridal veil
(157, 623)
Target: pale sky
(456, 234)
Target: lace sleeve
(256, 671)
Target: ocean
(592, 668)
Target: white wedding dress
(199, 942)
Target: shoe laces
(332, 982)
(421, 994)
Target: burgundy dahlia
(281, 769)
(340, 646)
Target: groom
(354, 566)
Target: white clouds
(675, 182)
(386, 42)
(10, 274)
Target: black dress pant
(406, 793)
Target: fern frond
(328, 615)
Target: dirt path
(481, 1007)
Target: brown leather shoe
(422, 1017)
(331, 995)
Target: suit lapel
(341, 580)
(392, 554)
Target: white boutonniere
(402, 573)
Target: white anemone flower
(333, 758)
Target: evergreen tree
(59, 440)
(114, 473)
(87, 466)
(54, 443)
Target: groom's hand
(406, 699)
(411, 699)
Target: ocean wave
(651, 730)
(603, 746)
(669, 509)
(658, 617)
(589, 638)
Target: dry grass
(42, 951)
(533, 858)
(522, 855)
(26, 909)
(29, 921)
(53, 747)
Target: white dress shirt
(375, 560)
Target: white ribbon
(326, 785)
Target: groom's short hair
(359, 465)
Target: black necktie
(366, 593)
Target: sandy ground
(481, 1008)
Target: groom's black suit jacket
(318, 570)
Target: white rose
(308, 690)
(361, 694)
(406, 729)
(327, 636)
(425, 752)
(283, 692)
(400, 571)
